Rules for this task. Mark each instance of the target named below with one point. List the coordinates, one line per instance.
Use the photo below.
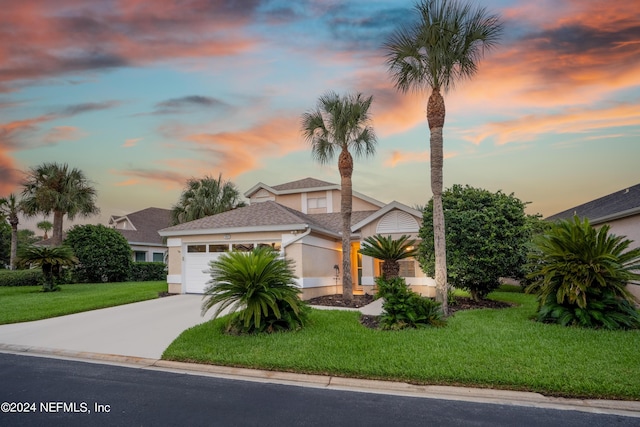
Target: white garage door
(196, 267)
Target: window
(274, 245)
(320, 202)
(197, 248)
(140, 256)
(158, 257)
(243, 247)
(407, 268)
(218, 248)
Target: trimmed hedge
(144, 271)
(32, 277)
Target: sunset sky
(144, 94)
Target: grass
(500, 349)
(25, 303)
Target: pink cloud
(397, 157)
(128, 143)
(62, 133)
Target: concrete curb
(467, 394)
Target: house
(302, 220)
(620, 210)
(141, 231)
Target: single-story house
(620, 210)
(302, 220)
(141, 231)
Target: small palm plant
(580, 275)
(259, 288)
(390, 251)
(50, 259)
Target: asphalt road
(61, 392)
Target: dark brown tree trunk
(390, 269)
(14, 242)
(56, 235)
(345, 166)
(435, 116)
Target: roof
(305, 183)
(616, 205)
(146, 224)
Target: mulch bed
(462, 303)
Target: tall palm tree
(204, 197)
(443, 47)
(341, 124)
(9, 208)
(45, 226)
(389, 251)
(55, 188)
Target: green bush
(259, 287)
(31, 277)
(104, 254)
(403, 308)
(580, 275)
(145, 271)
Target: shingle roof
(302, 184)
(333, 221)
(147, 222)
(610, 205)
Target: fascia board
(230, 230)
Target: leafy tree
(45, 226)
(487, 235)
(104, 254)
(26, 237)
(5, 244)
(259, 287)
(341, 125)
(580, 275)
(9, 209)
(204, 197)
(443, 47)
(390, 251)
(51, 259)
(55, 188)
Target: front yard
(501, 349)
(25, 303)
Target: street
(43, 391)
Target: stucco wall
(630, 227)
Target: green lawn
(501, 349)
(24, 303)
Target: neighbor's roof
(146, 224)
(616, 205)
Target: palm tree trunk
(14, 245)
(435, 117)
(345, 166)
(56, 236)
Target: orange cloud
(131, 142)
(62, 133)
(397, 157)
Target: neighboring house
(141, 231)
(302, 220)
(620, 210)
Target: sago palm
(204, 197)
(9, 208)
(259, 288)
(341, 125)
(50, 259)
(389, 251)
(580, 275)
(443, 47)
(56, 188)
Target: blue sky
(142, 95)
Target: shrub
(51, 259)
(403, 308)
(143, 271)
(31, 277)
(104, 253)
(580, 276)
(259, 288)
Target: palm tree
(390, 251)
(45, 226)
(50, 259)
(53, 187)
(204, 197)
(341, 124)
(441, 48)
(259, 287)
(9, 208)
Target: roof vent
(626, 191)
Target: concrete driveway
(143, 329)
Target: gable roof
(379, 214)
(613, 206)
(306, 185)
(146, 224)
(266, 216)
